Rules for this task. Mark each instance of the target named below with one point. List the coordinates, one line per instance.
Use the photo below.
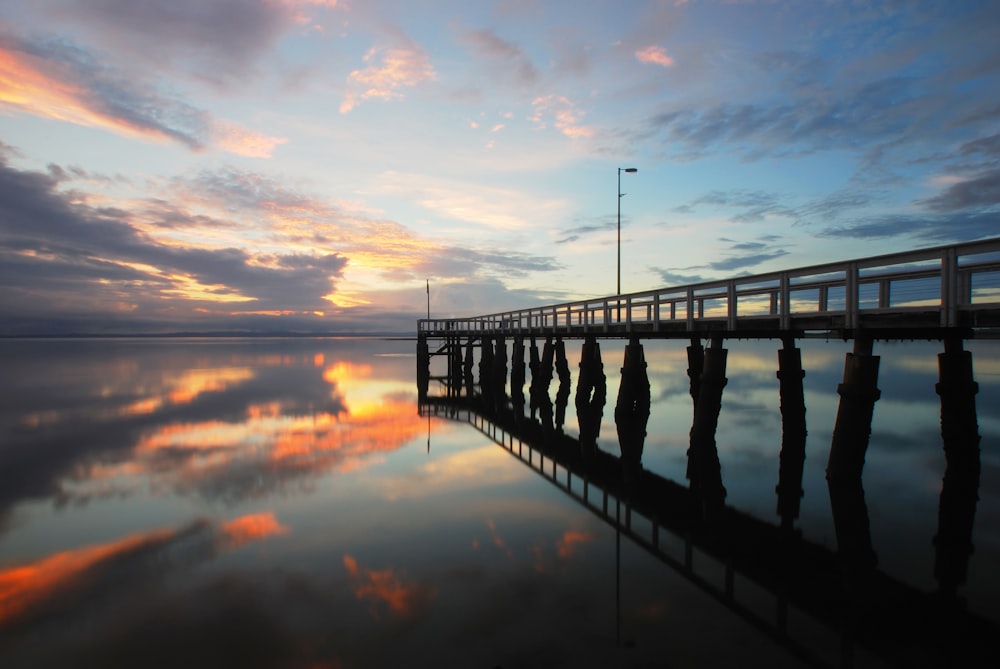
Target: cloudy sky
(172, 165)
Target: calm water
(281, 503)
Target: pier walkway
(928, 294)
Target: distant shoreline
(217, 335)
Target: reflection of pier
(765, 573)
(843, 590)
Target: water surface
(282, 503)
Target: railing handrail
(954, 291)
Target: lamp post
(627, 170)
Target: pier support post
(486, 370)
(632, 411)
(423, 367)
(960, 488)
(470, 380)
(851, 434)
(498, 377)
(696, 360)
(455, 367)
(793, 432)
(704, 470)
(591, 396)
(517, 375)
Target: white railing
(949, 279)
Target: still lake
(282, 503)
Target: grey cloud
(938, 228)
(218, 41)
(757, 205)
(982, 191)
(672, 278)
(750, 260)
(243, 190)
(505, 56)
(50, 234)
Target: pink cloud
(564, 115)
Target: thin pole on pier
(428, 298)
(629, 170)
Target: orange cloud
(654, 55)
(52, 89)
(391, 70)
(234, 138)
(385, 587)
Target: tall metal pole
(618, 288)
(428, 299)
(629, 170)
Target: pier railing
(956, 286)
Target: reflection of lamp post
(629, 170)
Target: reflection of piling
(591, 395)
(960, 489)
(704, 470)
(632, 410)
(562, 394)
(793, 432)
(851, 434)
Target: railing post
(851, 295)
(731, 304)
(949, 288)
(884, 288)
(785, 302)
(656, 312)
(690, 309)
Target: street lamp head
(631, 169)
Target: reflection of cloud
(267, 449)
(77, 574)
(456, 471)
(172, 389)
(567, 543)
(565, 548)
(251, 528)
(385, 587)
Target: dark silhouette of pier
(949, 294)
